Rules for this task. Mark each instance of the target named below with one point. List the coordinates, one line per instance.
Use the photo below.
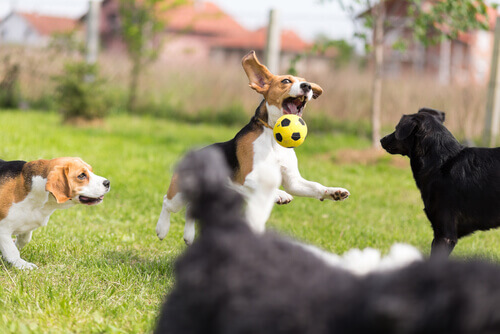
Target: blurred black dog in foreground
(460, 186)
(234, 281)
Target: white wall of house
(15, 29)
(481, 56)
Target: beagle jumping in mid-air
(31, 191)
(254, 146)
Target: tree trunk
(445, 62)
(134, 84)
(492, 117)
(378, 43)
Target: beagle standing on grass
(31, 191)
(255, 146)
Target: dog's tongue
(293, 108)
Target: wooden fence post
(492, 116)
(93, 31)
(378, 44)
(273, 45)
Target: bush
(9, 85)
(45, 101)
(80, 92)
(320, 122)
(233, 114)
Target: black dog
(460, 186)
(234, 281)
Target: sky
(308, 18)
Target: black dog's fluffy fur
(233, 281)
(460, 186)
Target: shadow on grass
(136, 261)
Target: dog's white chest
(268, 152)
(32, 212)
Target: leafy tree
(432, 21)
(345, 51)
(321, 46)
(141, 25)
(447, 19)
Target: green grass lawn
(103, 270)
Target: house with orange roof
(200, 31)
(33, 29)
(233, 46)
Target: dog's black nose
(383, 141)
(106, 183)
(306, 87)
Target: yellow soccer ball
(290, 131)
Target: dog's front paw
(336, 194)
(162, 229)
(282, 197)
(24, 265)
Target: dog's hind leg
(261, 189)
(189, 229)
(23, 239)
(442, 246)
(170, 205)
(444, 225)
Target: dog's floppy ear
(317, 90)
(405, 127)
(441, 116)
(436, 113)
(260, 77)
(58, 185)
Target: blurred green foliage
(80, 92)
(9, 84)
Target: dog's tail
(204, 181)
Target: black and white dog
(460, 186)
(232, 280)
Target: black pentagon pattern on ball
(279, 137)
(302, 121)
(296, 136)
(285, 122)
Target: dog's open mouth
(89, 200)
(294, 105)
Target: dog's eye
(82, 176)
(286, 81)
